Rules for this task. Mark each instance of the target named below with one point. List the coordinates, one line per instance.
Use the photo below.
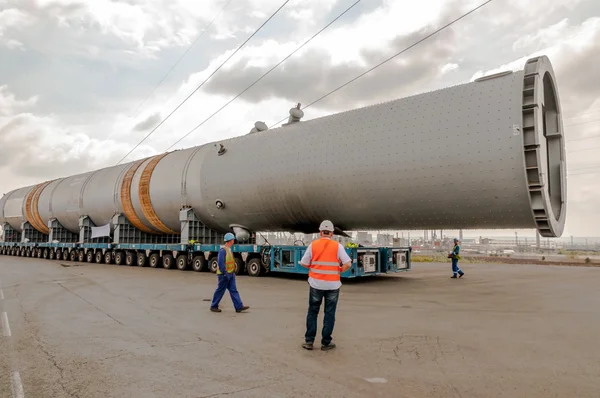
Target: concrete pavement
(107, 331)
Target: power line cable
(180, 58)
(390, 58)
(584, 149)
(205, 80)
(266, 73)
(583, 138)
(586, 122)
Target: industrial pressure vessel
(485, 154)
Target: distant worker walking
(323, 258)
(226, 277)
(455, 257)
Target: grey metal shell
(45, 202)
(12, 207)
(100, 196)
(486, 154)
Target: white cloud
(98, 59)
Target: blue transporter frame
(366, 261)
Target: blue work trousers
(314, 304)
(227, 282)
(455, 268)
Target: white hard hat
(326, 226)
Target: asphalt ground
(93, 330)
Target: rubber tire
(254, 267)
(81, 256)
(240, 266)
(154, 260)
(72, 255)
(89, 256)
(52, 254)
(45, 254)
(28, 252)
(182, 262)
(119, 257)
(66, 254)
(58, 254)
(108, 257)
(199, 264)
(129, 259)
(213, 265)
(168, 261)
(141, 259)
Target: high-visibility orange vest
(324, 264)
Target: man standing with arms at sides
(455, 257)
(322, 258)
(226, 277)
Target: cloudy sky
(75, 75)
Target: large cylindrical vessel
(486, 154)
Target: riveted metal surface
(487, 154)
(126, 200)
(144, 195)
(445, 159)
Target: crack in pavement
(90, 303)
(236, 391)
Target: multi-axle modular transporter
(485, 154)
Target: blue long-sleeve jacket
(456, 251)
(221, 260)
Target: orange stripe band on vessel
(31, 208)
(144, 193)
(36, 213)
(126, 199)
(28, 212)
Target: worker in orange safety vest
(323, 258)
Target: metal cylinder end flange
(544, 147)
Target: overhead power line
(584, 138)
(390, 58)
(180, 58)
(265, 74)
(205, 80)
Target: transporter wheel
(254, 267)
(89, 256)
(51, 254)
(39, 252)
(45, 253)
(141, 259)
(240, 266)
(182, 262)
(107, 257)
(213, 265)
(129, 258)
(154, 260)
(65, 255)
(168, 261)
(119, 257)
(81, 256)
(199, 264)
(57, 254)
(28, 252)
(73, 255)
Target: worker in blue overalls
(226, 277)
(455, 257)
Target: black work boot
(307, 346)
(215, 309)
(328, 347)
